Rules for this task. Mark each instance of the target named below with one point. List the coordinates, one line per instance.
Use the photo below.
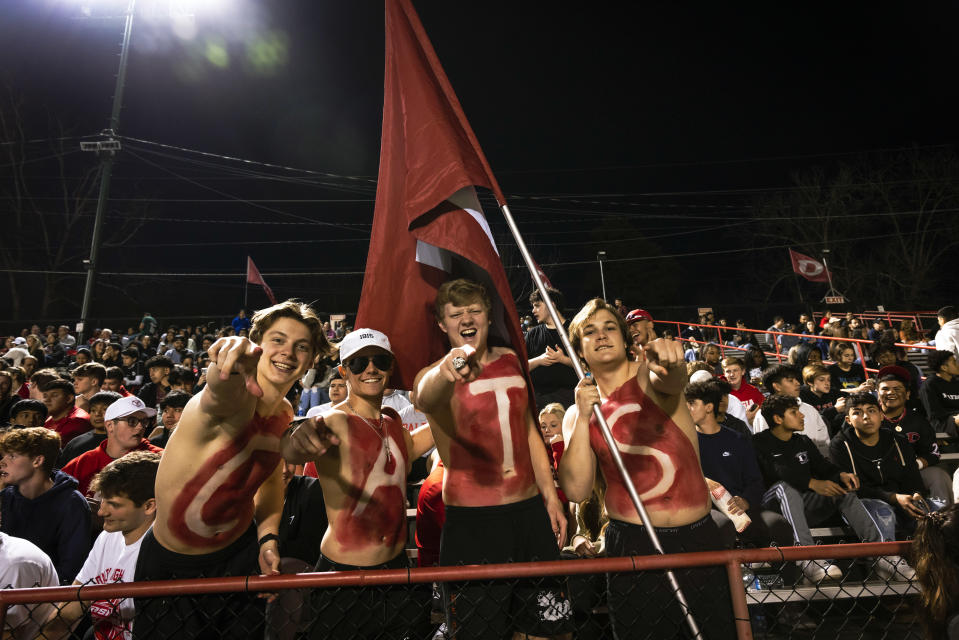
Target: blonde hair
(460, 293)
(812, 371)
(555, 408)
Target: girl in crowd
(98, 349)
(551, 424)
(756, 363)
(935, 555)
(847, 375)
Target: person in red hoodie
(751, 397)
(125, 421)
(65, 417)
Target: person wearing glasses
(363, 479)
(125, 421)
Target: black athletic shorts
(387, 611)
(227, 615)
(642, 605)
(517, 532)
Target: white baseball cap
(127, 406)
(360, 338)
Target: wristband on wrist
(267, 538)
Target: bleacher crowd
(794, 430)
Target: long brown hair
(935, 555)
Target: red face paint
(374, 514)
(216, 504)
(489, 454)
(660, 459)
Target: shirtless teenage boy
(363, 478)
(219, 488)
(501, 504)
(644, 406)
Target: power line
(252, 162)
(688, 163)
(239, 199)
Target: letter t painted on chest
(500, 387)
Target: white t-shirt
(318, 409)
(24, 566)
(396, 400)
(111, 560)
(16, 355)
(814, 427)
(736, 408)
(412, 420)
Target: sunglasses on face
(133, 421)
(381, 361)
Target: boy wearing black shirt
(805, 487)
(898, 418)
(940, 392)
(728, 458)
(890, 485)
(550, 369)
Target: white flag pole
(603, 425)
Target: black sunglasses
(381, 361)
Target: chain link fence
(758, 593)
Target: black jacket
(795, 461)
(917, 431)
(884, 469)
(940, 397)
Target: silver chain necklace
(381, 432)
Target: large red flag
(428, 226)
(253, 277)
(809, 268)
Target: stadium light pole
(602, 278)
(107, 149)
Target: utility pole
(107, 150)
(602, 278)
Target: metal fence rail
(771, 605)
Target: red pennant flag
(809, 268)
(542, 275)
(428, 226)
(253, 277)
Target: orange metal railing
(731, 560)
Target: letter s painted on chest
(664, 460)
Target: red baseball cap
(895, 370)
(636, 315)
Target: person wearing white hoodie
(947, 338)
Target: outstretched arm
(231, 376)
(434, 385)
(667, 366)
(309, 439)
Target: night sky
(616, 127)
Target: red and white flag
(253, 277)
(809, 268)
(428, 225)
